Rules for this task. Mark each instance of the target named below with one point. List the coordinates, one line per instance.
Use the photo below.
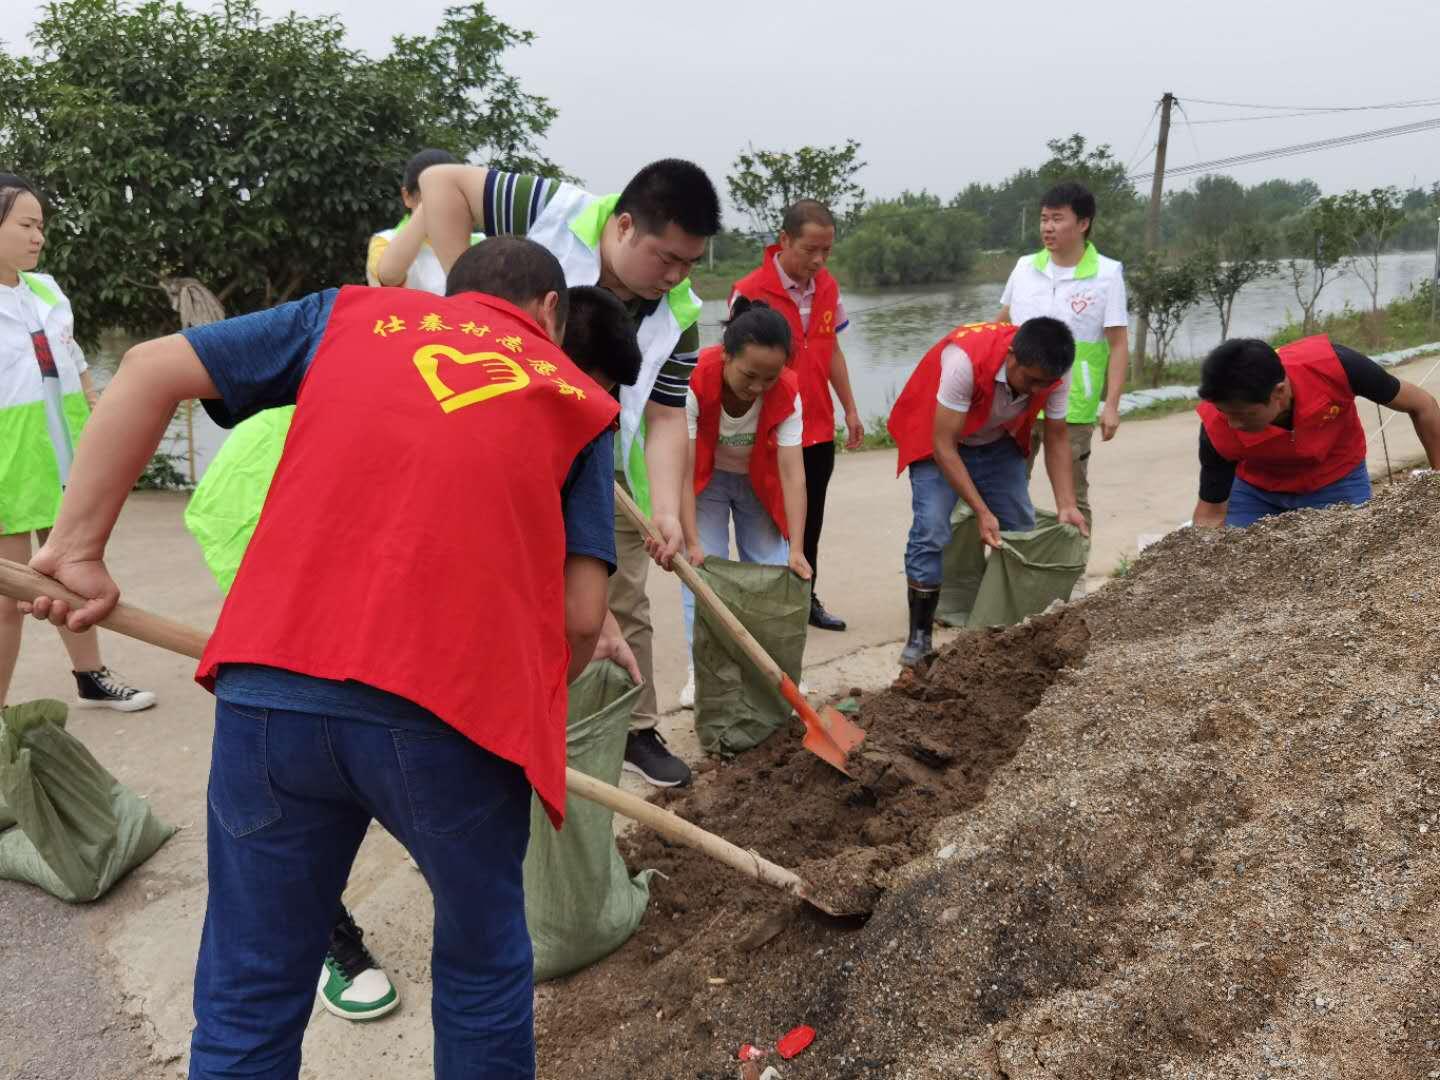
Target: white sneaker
(687, 692)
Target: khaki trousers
(1081, 436)
(631, 608)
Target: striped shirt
(513, 202)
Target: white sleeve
(692, 413)
(1058, 403)
(1117, 310)
(957, 379)
(792, 428)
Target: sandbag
(74, 830)
(963, 568)
(226, 504)
(1030, 571)
(580, 902)
(735, 706)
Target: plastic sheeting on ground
(69, 826)
(735, 706)
(580, 902)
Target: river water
(890, 330)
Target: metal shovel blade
(829, 735)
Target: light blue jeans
(756, 534)
(998, 471)
(1248, 503)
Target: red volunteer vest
(912, 420)
(707, 381)
(1326, 440)
(424, 463)
(812, 350)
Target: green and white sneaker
(352, 985)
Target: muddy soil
(1184, 828)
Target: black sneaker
(646, 754)
(822, 619)
(104, 689)
(352, 985)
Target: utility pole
(1152, 219)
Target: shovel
(828, 734)
(21, 583)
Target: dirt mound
(1185, 828)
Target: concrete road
(104, 989)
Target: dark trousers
(819, 466)
(291, 795)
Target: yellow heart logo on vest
(503, 375)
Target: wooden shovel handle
(21, 583)
(703, 593)
(676, 828)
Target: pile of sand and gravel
(1185, 828)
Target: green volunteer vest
(1091, 357)
(29, 472)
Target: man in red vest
(428, 573)
(1280, 430)
(962, 425)
(793, 280)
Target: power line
(1298, 148)
(1412, 103)
(1137, 153)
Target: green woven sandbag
(70, 827)
(735, 706)
(580, 902)
(1029, 572)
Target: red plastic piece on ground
(751, 1053)
(794, 1041)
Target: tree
(1163, 293)
(765, 182)
(1324, 230)
(254, 155)
(911, 240)
(1374, 216)
(1225, 266)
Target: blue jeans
(756, 534)
(291, 795)
(1248, 504)
(998, 471)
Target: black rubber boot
(923, 603)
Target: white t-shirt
(1088, 306)
(737, 433)
(957, 391)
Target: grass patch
(1400, 325)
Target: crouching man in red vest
(962, 425)
(428, 573)
(1280, 431)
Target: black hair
(600, 336)
(672, 191)
(754, 322)
(512, 268)
(806, 212)
(419, 163)
(1241, 370)
(1045, 343)
(1076, 196)
(11, 188)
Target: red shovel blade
(828, 734)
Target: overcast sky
(943, 93)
